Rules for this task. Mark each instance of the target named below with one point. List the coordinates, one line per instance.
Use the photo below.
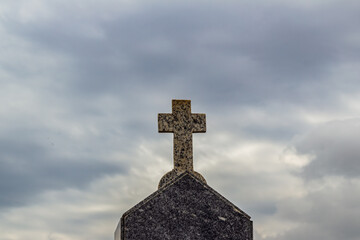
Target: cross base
(169, 176)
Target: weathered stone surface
(186, 208)
(182, 123)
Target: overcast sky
(81, 83)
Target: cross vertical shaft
(182, 123)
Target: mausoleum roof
(186, 207)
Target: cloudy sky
(81, 83)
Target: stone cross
(184, 206)
(182, 123)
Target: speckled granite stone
(182, 123)
(186, 208)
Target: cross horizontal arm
(199, 122)
(165, 122)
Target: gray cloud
(334, 147)
(81, 84)
(329, 212)
(327, 207)
(202, 51)
(29, 168)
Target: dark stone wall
(186, 209)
